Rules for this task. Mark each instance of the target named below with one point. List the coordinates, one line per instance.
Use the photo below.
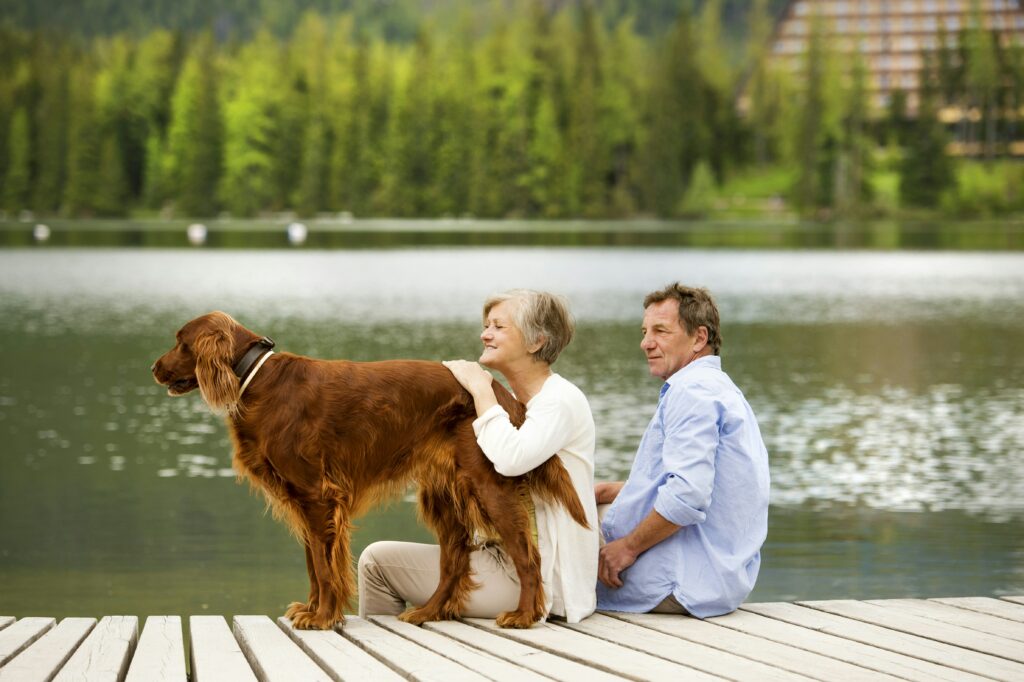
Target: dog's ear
(215, 351)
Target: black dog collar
(250, 358)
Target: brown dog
(326, 440)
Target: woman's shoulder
(558, 388)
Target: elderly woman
(524, 332)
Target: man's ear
(702, 339)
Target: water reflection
(884, 383)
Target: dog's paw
(518, 620)
(418, 616)
(295, 608)
(306, 620)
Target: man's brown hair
(696, 309)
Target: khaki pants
(395, 574)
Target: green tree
(252, 102)
(17, 179)
(925, 170)
(83, 157)
(194, 136)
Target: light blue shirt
(702, 465)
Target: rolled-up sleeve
(691, 439)
(514, 451)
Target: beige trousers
(393, 575)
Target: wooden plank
(951, 615)
(610, 657)
(340, 658)
(274, 657)
(891, 640)
(770, 653)
(1015, 600)
(160, 655)
(526, 656)
(42, 660)
(17, 637)
(922, 627)
(5, 621)
(409, 659)
(493, 667)
(906, 667)
(105, 653)
(214, 652)
(993, 607)
(691, 654)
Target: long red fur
(325, 440)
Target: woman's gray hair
(541, 317)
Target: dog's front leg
(311, 606)
(331, 558)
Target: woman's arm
(548, 427)
(605, 492)
(476, 380)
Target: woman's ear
(215, 349)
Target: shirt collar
(709, 361)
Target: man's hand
(618, 555)
(614, 558)
(605, 492)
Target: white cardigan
(558, 421)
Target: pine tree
(925, 170)
(194, 136)
(17, 179)
(83, 144)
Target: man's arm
(618, 555)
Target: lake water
(889, 387)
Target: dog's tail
(551, 483)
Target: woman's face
(503, 342)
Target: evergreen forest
(519, 108)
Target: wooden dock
(968, 638)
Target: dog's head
(203, 357)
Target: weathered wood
(951, 615)
(923, 627)
(613, 658)
(409, 659)
(493, 667)
(1015, 600)
(214, 652)
(49, 653)
(5, 621)
(690, 654)
(17, 637)
(160, 655)
(274, 657)
(891, 640)
(993, 607)
(873, 658)
(105, 653)
(770, 653)
(340, 658)
(526, 656)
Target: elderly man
(683, 534)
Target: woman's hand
(476, 380)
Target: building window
(908, 6)
(842, 25)
(800, 9)
(930, 6)
(908, 24)
(930, 24)
(798, 28)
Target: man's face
(666, 344)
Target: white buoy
(41, 233)
(197, 234)
(297, 233)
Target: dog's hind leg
(511, 521)
(456, 581)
